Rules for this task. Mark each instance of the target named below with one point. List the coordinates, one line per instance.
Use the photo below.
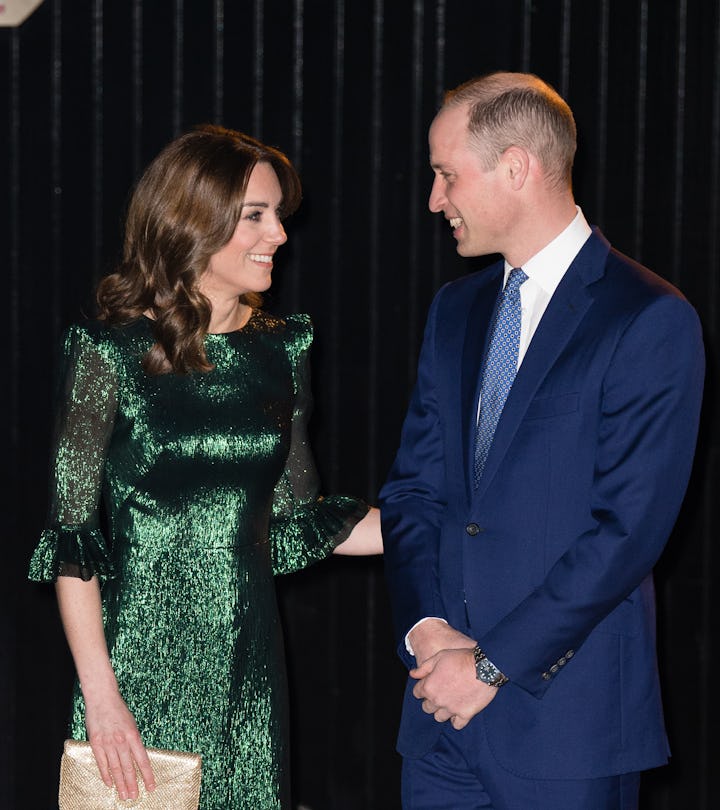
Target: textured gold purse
(177, 774)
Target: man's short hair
(518, 109)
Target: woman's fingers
(102, 764)
(143, 762)
(128, 775)
(116, 767)
(118, 760)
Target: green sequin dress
(208, 490)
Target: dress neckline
(253, 314)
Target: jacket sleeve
(646, 436)
(412, 502)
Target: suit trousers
(461, 773)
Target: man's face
(472, 199)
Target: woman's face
(245, 263)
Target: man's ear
(516, 161)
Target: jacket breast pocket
(547, 407)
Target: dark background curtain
(92, 89)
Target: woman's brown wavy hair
(184, 209)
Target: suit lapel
(564, 313)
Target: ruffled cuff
(70, 551)
(314, 531)
(338, 515)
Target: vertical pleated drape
(90, 90)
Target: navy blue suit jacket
(581, 488)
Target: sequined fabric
(208, 489)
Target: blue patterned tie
(500, 367)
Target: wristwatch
(486, 671)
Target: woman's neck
(228, 316)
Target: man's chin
(469, 250)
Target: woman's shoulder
(295, 329)
(103, 337)
(85, 332)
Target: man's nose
(437, 196)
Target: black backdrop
(91, 89)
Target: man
(542, 465)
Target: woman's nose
(277, 235)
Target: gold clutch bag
(177, 774)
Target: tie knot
(515, 279)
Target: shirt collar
(547, 267)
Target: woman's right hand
(111, 728)
(116, 744)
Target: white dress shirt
(545, 271)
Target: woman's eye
(255, 216)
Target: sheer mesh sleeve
(305, 527)
(72, 543)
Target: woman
(183, 410)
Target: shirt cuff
(408, 646)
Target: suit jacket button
(569, 653)
(546, 676)
(562, 661)
(554, 668)
(472, 529)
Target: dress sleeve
(305, 526)
(72, 543)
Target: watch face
(487, 672)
